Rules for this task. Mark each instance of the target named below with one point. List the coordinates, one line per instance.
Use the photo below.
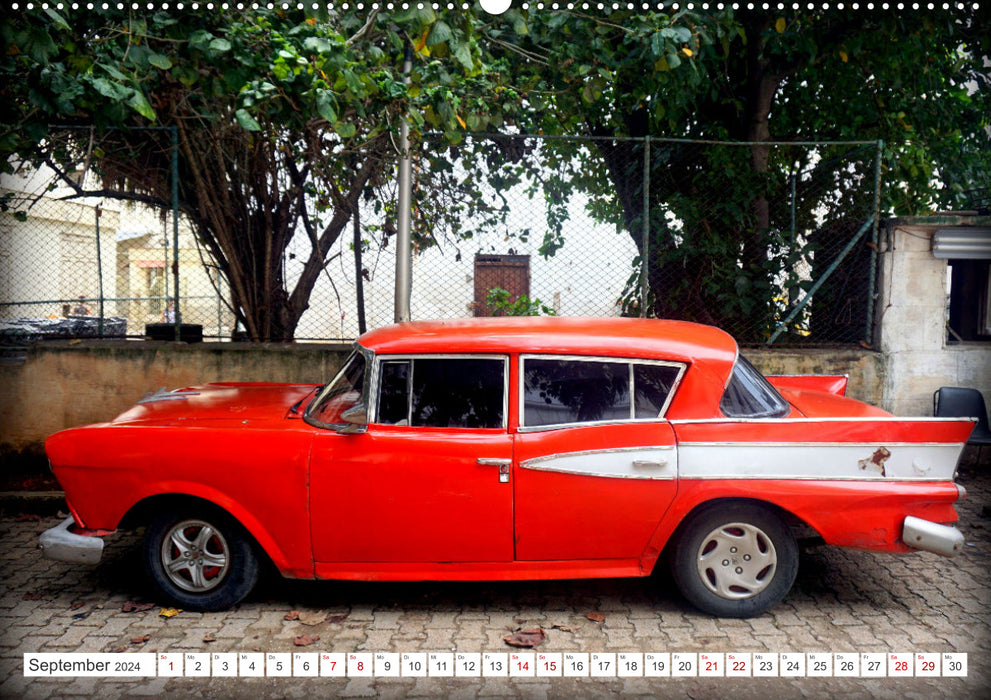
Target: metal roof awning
(963, 243)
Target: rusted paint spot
(876, 461)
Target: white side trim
(859, 461)
(657, 463)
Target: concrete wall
(864, 368)
(62, 384)
(67, 383)
(911, 314)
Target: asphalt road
(843, 602)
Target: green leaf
(247, 122)
(325, 106)
(345, 129)
(439, 34)
(160, 61)
(109, 89)
(139, 103)
(317, 44)
(220, 45)
(463, 55)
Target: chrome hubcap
(195, 556)
(736, 560)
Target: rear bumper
(59, 544)
(932, 537)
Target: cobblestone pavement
(843, 601)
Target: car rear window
(567, 391)
(750, 395)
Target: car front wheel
(735, 560)
(200, 560)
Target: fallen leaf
(208, 638)
(336, 619)
(291, 615)
(131, 606)
(33, 596)
(140, 640)
(596, 617)
(118, 650)
(312, 618)
(563, 628)
(76, 604)
(305, 640)
(526, 638)
(169, 612)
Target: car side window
(750, 395)
(443, 392)
(344, 392)
(564, 391)
(652, 386)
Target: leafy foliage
(500, 302)
(285, 122)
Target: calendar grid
(515, 664)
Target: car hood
(212, 402)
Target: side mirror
(356, 419)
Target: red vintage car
(507, 449)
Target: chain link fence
(775, 243)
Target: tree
(285, 122)
(917, 81)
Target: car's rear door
(596, 464)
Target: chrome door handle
(649, 463)
(493, 462)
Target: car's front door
(597, 464)
(429, 480)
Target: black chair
(960, 402)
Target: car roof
(612, 337)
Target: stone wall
(65, 383)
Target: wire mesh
(735, 235)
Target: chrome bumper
(61, 545)
(932, 537)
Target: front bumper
(60, 544)
(932, 537)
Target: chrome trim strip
(652, 467)
(746, 443)
(604, 475)
(858, 419)
(789, 477)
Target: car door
(597, 464)
(428, 480)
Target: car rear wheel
(735, 560)
(200, 560)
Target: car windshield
(750, 395)
(343, 392)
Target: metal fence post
(645, 255)
(177, 312)
(872, 272)
(99, 271)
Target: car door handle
(649, 463)
(493, 462)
